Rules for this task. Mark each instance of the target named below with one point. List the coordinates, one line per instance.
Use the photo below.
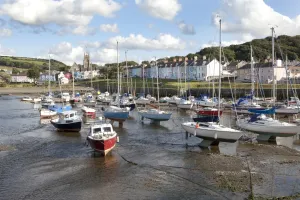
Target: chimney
(195, 57)
(204, 57)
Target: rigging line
(288, 77)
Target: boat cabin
(101, 130)
(68, 116)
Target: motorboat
(67, 121)
(212, 132)
(185, 104)
(207, 102)
(47, 101)
(155, 115)
(268, 127)
(47, 114)
(102, 138)
(89, 114)
(27, 99)
(116, 114)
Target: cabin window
(96, 130)
(66, 116)
(107, 129)
(72, 115)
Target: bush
(3, 84)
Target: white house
(263, 71)
(21, 78)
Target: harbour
(157, 162)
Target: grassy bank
(173, 84)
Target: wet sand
(150, 162)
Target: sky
(65, 29)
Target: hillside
(26, 63)
(262, 49)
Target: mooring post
(186, 135)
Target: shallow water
(150, 161)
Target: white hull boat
(211, 132)
(185, 104)
(155, 115)
(287, 110)
(206, 103)
(143, 101)
(47, 114)
(268, 127)
(28, 99)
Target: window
(72, 115)
(96, 130)
(107, 129)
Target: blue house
(46, 77)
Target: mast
(118, 75)
(252, 74)
(127, 72)
(144, 89)
(287, 81)
(273, 65)
(73, 81)
(220, 69)
(185, 90)
(49, 76)
(157, 84)
(91, 74)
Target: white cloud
(186, 29)
(75, 13)
(5, 32)
(139, 42)
(83, 30)
(6, 51)
(163, 9)
(109, 28)
(61, 48)
(253, 18)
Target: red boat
(208, 111)
(102, 138)
(89, 115)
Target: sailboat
(116, 113)
(75, 97)
(212, 132)
(268, 127)
(155, 114)
(185, 104)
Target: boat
(65, 97)
(206, 118)
(59, 109)
(268, 127)
(27, 98)
(174, 100)
(102, 138)
(212, 132)
(208, 111)
(47, 114)
(207, 102)
(37, 100)
(156, 115)
(287, 110)
(164, 99)
(89, 114)
(142, 101)
(47, 101)
(89, 100)
(67, 121)
(116, 114)
(185, 104)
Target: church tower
(86, 62)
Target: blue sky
(146, 28)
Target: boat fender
(118, 140)
(197, 125)
(216, 135)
